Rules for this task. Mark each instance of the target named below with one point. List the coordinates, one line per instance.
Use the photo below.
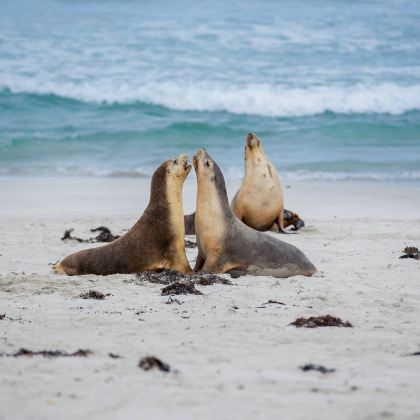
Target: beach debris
(92, 294)
(168, 276)
(180, 288)
(189, 244)
(171, 300)
(152, 362)
(273, 302)
(411, 252)
(4, 316)
(114, 356)
(269, 302)
(206, 279)
(321, 321)
(105, 235)
(318, 368)
(47, 353)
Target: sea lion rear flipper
(285, 214)
(298, 224)
(291, 218)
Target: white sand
(230, 363)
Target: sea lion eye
(174, 161)
(208, 163)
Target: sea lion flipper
(280, 222)
(235, 273)
(199, 263)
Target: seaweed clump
(318, 368)
(152, 362)
(168, 276)
(411, 252)
(321, 321)
(105, 235)
(180, 288)
(48, 353)
(92, 294)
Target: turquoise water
(112, 88)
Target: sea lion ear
(208, 163)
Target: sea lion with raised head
(259, 202)
(154, 243)
(226, 244)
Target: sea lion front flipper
(213, 265)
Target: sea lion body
(155, 242)
(226, 244)
(259, 202)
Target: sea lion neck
(254, 159)
(212, 196)
(158, 187)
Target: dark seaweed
(105, 235)
(152, 362)
(48, 353)
(92, 294)
(180, 288)
(411, 252)
(321, 321)
(169, 276)
(318, 368)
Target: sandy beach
(232, 355)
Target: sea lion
(154, 243)
(226, 244)
(259, 202)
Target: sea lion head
(172, 174)
(252, 141)
(204, 165)
(255, 158)
(209, 175)
(178, 168)
(253, 148)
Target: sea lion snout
(252, 140)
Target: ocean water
(113, 88)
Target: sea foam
(251, 99)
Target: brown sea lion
(154, 243)
(226, 244)
(259, 202)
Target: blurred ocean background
(113, 88)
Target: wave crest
(251, 99)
